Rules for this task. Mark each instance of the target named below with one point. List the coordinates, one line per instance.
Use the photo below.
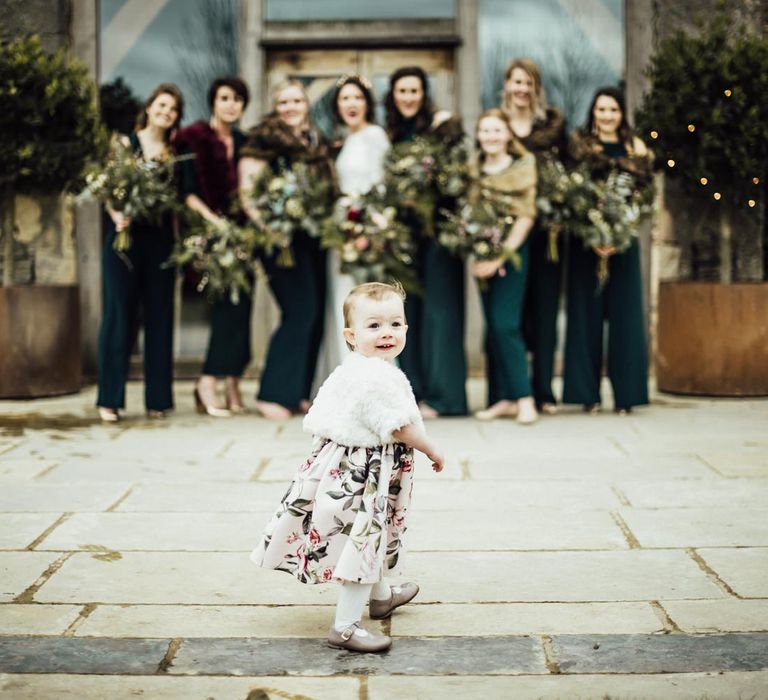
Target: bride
(359, 166)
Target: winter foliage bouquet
(138, 188)
(289, 201)
(372, 245)
(222, 253)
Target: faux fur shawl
(588, 148)
(548, 135)
(518, 182)
(362, 403)
(215, 177)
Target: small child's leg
(352, 600)
(381, 590)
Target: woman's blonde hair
(370, 290)
(538, 101)
(284, 85)
(514, 148)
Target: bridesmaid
(505, 167)
(606, 143)
(284, 136)
(541, 130)
(434, 358)
(209, 185)
(137, 277)
(359, 166)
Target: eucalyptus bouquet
(555, 187)
(288, 201)
(410, 169)
(608, 213)
(138, 188)
(223, 254)
(452, 169)
(373, 245)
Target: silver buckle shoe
(405, 593)
(362, 643)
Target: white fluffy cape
(362, 402)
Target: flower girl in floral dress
(344, 515)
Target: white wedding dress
(359, 166)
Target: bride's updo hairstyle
(364, 85)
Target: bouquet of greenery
(410, 168)
(554, 188)
(289, 201)
(372, 245)
(452, 169)
(223, 254)
(608, 213)
(138, 188)
(479, 228)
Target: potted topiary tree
(706, 117)
(49, 129)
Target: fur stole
(449, 131)
(587, 148)
(548, 135)
(517, 183)
(216, 175)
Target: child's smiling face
(377, 327)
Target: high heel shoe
(153, 414)
(498, 410)
(214, 411)
(108, 415)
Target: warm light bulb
(671, 163)
(654, 134)
(727, 93)
(755, 180)
(752, 202)
(716, 195)
(703, 181)
(691, 128)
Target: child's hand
(438, 461)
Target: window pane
(299, 10)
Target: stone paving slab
(446, 619)
(633, 575)
(223, 532)
(745, 570)
(678, 686)
(515, 529)
(18, 530)
(748, 463)
(715, 492)
(19, 570)
(13, 468)
(209, 621)
(17, 618)
(723, 526)
(70, 655)
(23, 496)
(671, 653)
(312, 657)
(731, 615)
(164, 687)
(208, 497)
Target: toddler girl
(344, 516)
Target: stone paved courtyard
(583, 557)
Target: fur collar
(273, 139)
(588, 149)
(548, 134)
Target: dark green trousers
(620, 303)
(131, 280)
(502, 299)
(293, 349)
(410, 359)
(229, 342)
(443, 361)
(542, 303)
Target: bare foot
(549, 409)
(234, 397)
(427, 412)
(206, 390)
(305, 405)
(272, 411)
(526, 411)
(501, 409)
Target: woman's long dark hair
(625, 130)
(397, 125)
(163, 89)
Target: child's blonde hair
(370, 290)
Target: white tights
(352, 600)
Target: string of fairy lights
(703, 181)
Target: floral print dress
(344, 515)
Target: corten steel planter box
(39, 341)
(713, 338)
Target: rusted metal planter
(713, 338)
(39, 341)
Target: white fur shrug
(362, 402)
